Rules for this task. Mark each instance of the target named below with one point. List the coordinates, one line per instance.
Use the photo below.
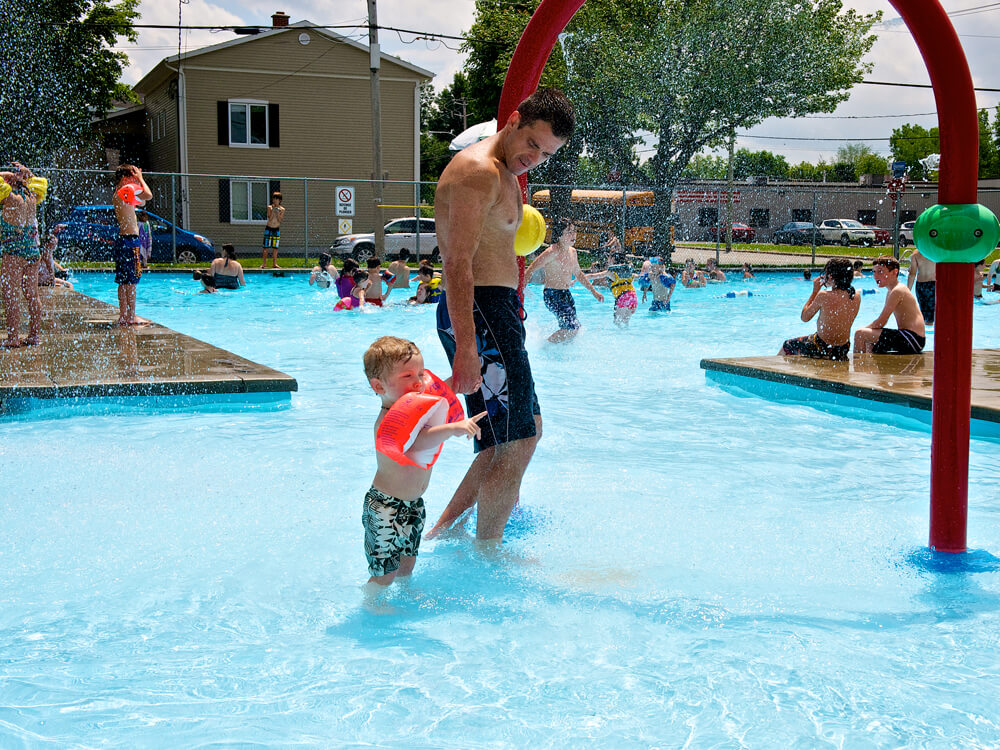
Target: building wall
(323, 93)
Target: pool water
(688, 566)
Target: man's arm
(470, 199)
(913, 269)
(814, 304)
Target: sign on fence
(345, 226)
(345, 200)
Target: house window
(760, 217)
(248, 201)
(868, 217)
(908, 215)
(802, 214)
(708, 217)
(248, 124)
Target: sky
(870, 113)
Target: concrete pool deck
(83, 354)
(903, 380)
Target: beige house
(246, 117)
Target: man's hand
(598, 296)
(466, 375)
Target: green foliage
(911, 143)
(706, 167)
(59, 71)
(759, 164)
(989, 159)
(871, 164)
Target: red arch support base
(959, 128)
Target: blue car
(89, 231)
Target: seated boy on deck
(393, 513)
(899, 302)
(837, 310)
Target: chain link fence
(693, 217)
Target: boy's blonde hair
(386, 352)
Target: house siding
(323, 92)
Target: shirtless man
(272, 230)
(126, 250)
(713, 272)
(923, 271)
(561, 266)
(478, 210)
(837, 310)
(400, 270)
(899, 301)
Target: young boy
(837, 310)
(127, 247)
(899, 302)
(374, 294)
(393, 513)
(272, 230)
(428, 285)
(662, 285)
(561, 266)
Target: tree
(911, 143)
(693, 71)
(59, 71)
(706, 167)
(989, 159)
(871, 164)
(748, 163)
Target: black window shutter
(223, 110)
(274, 186)
(273, 126)
(224, 201)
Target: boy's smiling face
(404, 377)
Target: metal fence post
(814, 229)
(418, 214)
(173, 214)
(305, 194)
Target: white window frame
(249, 183)
(267, 122)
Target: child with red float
(377, 275)
(419, 412)
(130, 191)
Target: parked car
(89, 231)
(797, 233)
(741, 233)
(400, 234)
(906, 233)
(846, 232)
(882, 236)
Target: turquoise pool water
(690, 567)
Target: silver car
(846, 232)
(906, 233)
(400, 234)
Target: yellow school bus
(596, 213)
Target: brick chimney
(279, 19)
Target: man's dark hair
(551, 106)
(404, 255)
(839, 274)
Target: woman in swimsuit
(227, 270)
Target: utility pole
(375, 62)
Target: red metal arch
(959, 128)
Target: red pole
(958, 125)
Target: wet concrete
(83, 353)
(889, 378)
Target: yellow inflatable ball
(531, 234)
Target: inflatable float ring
(405, 419)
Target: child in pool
(323, 275)
(393, 514)
(620, 276)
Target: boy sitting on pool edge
(393, 514)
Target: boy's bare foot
(10, 343)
